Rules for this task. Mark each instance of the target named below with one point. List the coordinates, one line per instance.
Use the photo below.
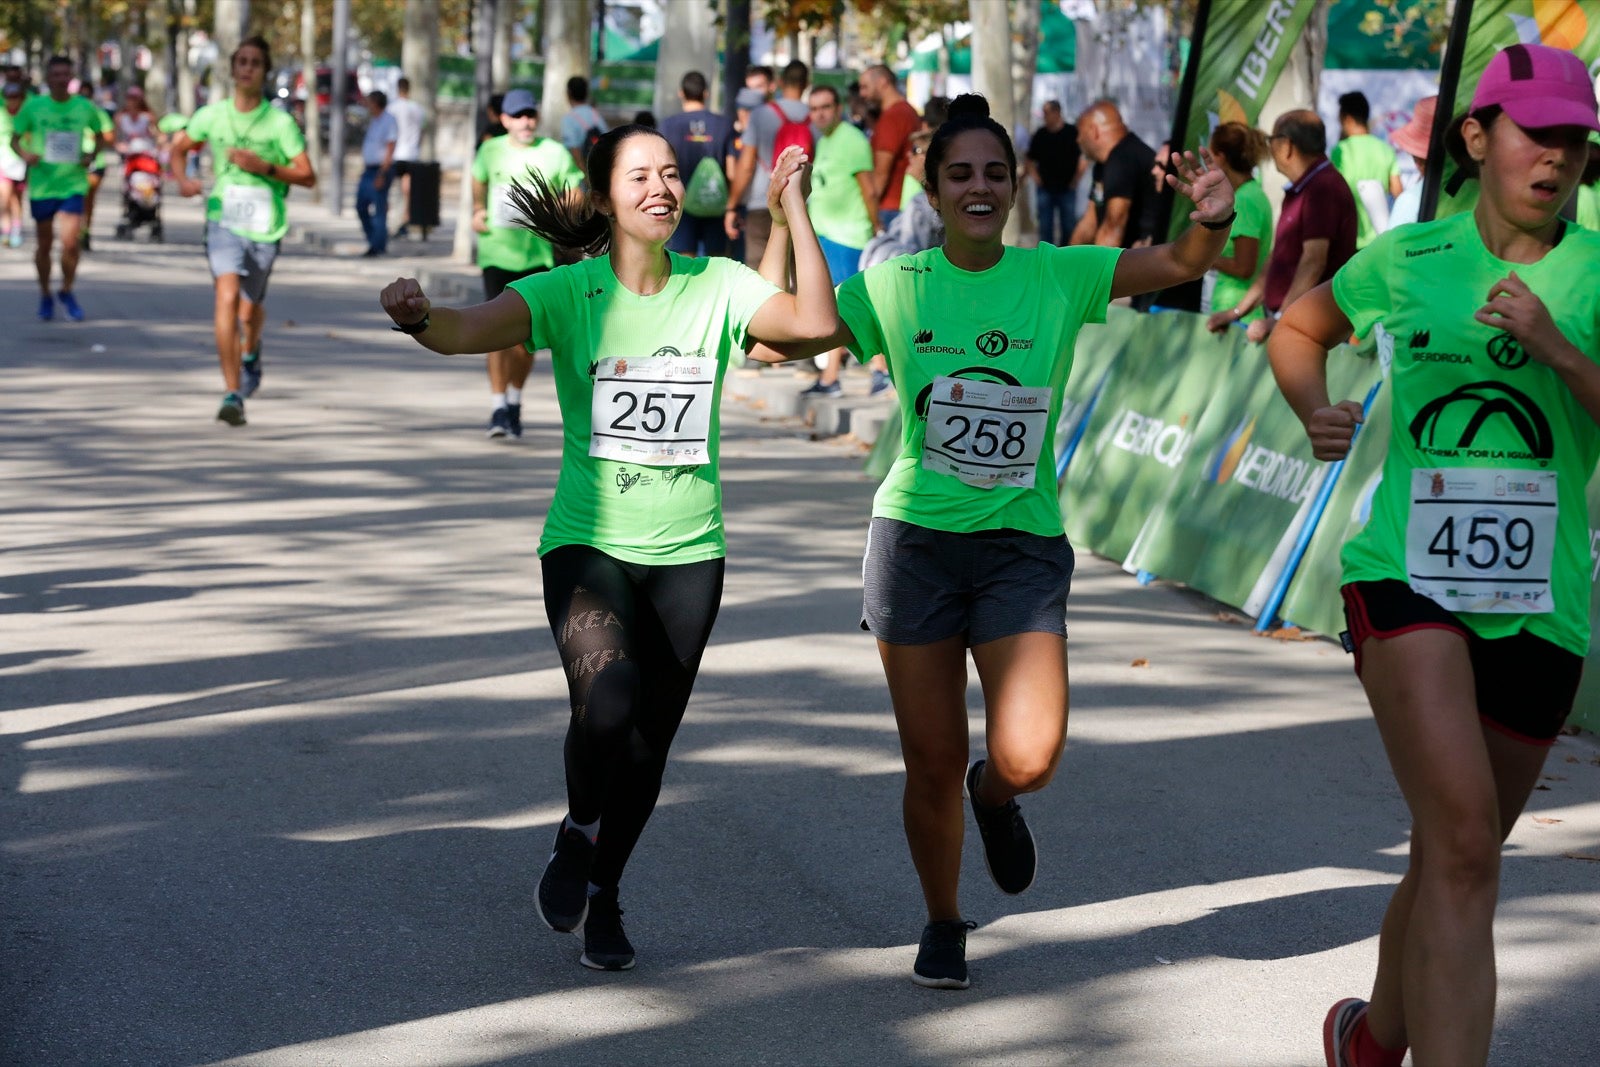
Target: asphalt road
(280, 752)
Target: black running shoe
(942, 956)
(1008, 847)
(563, 897)
(250, 376)
(499, 424)
(232, 410)
(605, 946)
(514, 419)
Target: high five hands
(791, 184)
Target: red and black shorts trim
(1525, 685)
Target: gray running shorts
(920, 585)
(228, 253)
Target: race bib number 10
(984, 433)
(63, 146)
(1480, 539)
(247, 208)
(655, 411)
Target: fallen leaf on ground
(1572, 759)
(1546, 822)
(1289, 633)
(290, 322)
(1230, 618)
(1544, 787)
(1163, 961)
(1140, 662)
(1555, 777)
(1581, 856)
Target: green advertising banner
(1245, 484)
(1495, 24)
(1141, 429)
(1313, 602)
(1247, 43)
(1586, 711)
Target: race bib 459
(1481, 539)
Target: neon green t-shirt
(60, 132)
(499, 160)
(836, 209)
(1255, 220)
(1589, 207)
(640, 512)
(1364, 158)
(251, 205)
(1465, 395)
(973, 356)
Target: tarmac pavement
(280, 750)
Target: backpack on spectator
(792, 132)
(706, 195)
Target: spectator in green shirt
(1368, 164)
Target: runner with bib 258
(966, 548)
(632, 550)
(1467, 592)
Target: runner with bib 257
(1467, 592)
(966, 548)
(632, 550)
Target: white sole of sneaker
(967, 795)
(940, 983)
(593, 966)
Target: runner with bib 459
(1467, 592)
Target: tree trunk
(690, 43)
(419, 61)
(505, 13)
(484, 18)
(736, 48)
(181, 46)
(313, 113)
(566, 55)
(226, 32)
(1024, 63)
(991, 72)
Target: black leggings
(630, 638)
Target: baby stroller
(141, 190)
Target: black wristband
(1222, 224)
(411, 329)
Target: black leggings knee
(630, 637)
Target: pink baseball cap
(1539, 86)
(1412, 138)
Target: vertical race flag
(1481, 28)
(1238, 51)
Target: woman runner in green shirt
(966, 548)
(1467, 592)
(632, 550)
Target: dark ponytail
(552, 214)
(969, 111)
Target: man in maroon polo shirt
(1316, 231)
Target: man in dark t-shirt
(1122, 199)
(1055, 163)
(696, 134)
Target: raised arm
(500, 324)
(809, 314)
(1147, 270)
